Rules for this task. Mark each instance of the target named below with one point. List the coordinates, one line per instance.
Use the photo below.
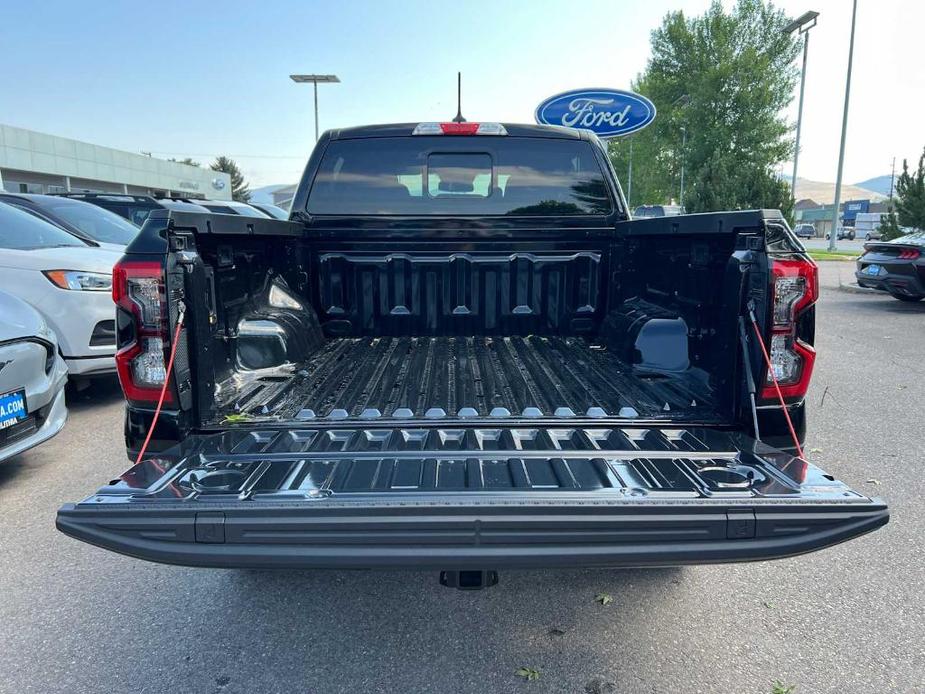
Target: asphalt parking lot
(850, 618)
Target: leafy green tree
(240, 191)
(910, 195)
(889, 226)
(725, 78)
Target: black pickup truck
(461, 353)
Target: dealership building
(33, 162)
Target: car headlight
(77, 280)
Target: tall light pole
(683, 154)
(803, 24)
(629, 190)
(844, 129)
(314, 79)
(683, 101)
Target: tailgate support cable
(167, 371)
(780, 396)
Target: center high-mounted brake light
(459, 129)
(139, 293)
(795, 287)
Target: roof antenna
(459, 116)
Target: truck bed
(534, 376)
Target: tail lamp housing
(138, 290)
(794, 289)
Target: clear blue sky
(202, 79)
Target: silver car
(32, 378)
(69, 281)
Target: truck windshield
(464, 176)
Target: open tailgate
(472, 496)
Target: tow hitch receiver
(469, 580)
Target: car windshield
(97, 223)
(243, 210)
(128, 208)
(459, 176)
(22, 231)
(181, 206)
(274, 211)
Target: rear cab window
(447, 175)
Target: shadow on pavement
(12, 468)
(103, 390)
(885, 304)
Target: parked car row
(842, 233)
(87, 222)
(58, 318)
(136, 208)
(68, 278)
(648, 211)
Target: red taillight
(459, 129)
(138, 290)
(909, 254)
(794, 289)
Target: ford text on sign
(605, 112)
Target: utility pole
(892, 178)
(844, 130)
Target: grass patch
(847, 256)
(528, 673)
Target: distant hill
(878, 184)
(265, 193)
(824, 192)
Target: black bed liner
(475, 376)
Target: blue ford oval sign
(605, 112)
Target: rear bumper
(898, 279)
(481, 535)
(91, 366)
(53, 423)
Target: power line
(239, 156)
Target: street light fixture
(802, 24)
(314, 79)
